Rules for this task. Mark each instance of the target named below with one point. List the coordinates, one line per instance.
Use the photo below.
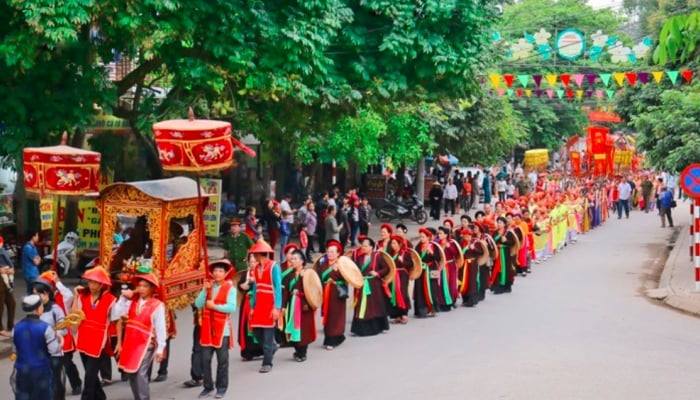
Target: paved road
(579, 327)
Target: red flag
(687, 75)
(509, 79)
(631, 78)
(565, 79)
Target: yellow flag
(658, 75)
(619, 78)
(495, 80)
(528, 92)
(551, 79)
(579, 94)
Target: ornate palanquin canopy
(159, 201)
(61, 170)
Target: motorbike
(394, 209)
(66, 255)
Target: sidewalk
(677, 283)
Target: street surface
(579, 327)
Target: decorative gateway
(163, 233)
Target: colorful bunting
(673, 76)
(657, 76)
(560, 93)
(611, 93)
(569, 94)
(509, 79)
(643, 77)
(538, 93)
(551, 79)
(528, 92)
(510, 92)
(591, 79)
(578, 78)
(500, 92)
(631, 78)
(599, 94)
(538, 79)
(524, 79)
(687, 75)
(565, 79)
(550, 93)
(495, 80)
(619, 78)
(605, 78)
(519, 93)
(579, 94)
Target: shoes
(220, 394)
(329, 348)
(161, 378)
(299, 359)
(205, 393)
(124, 377)
(265, 369)
(76, 391)
(193, 383)
(106, 382)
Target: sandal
(329, 348)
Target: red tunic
(138, 334)
(68, 342)
(264, 297)
(92, 332)
(214, 322)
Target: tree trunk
(420, 179)
(401, 180)
(20, 200)
(152, 159)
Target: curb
(665, 291)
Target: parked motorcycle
(394, 209)
(66, 255)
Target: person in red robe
(96, 303)
(399, 299)
(423, 296)
(335, 296)
(266, 300)
(250, 347)
(287, 270)
(370, 315)
(300, 319)
(445, 286)
(503, 269)
(481, 233)
(145, 325)
(402, 232)
(385, 232)
(473, 249)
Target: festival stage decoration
(63, 171)
(536, 159)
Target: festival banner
(46, 211)
(575, 158)
(212, 216)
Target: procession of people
(279, 300)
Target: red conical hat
(98, 274)
(225, 264)
(261, 247)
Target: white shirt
(625, 190)
(532, 176)
(510, 190)
(501, 186)
(121, 308)
(284, 206)
(450, 192)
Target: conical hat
(313, 289)
(350, 272)
(389, 277)
(261, 247)
(98, 274)
(416, 264)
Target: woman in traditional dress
(385, 232)
(287, 270)
(370, 314)
(473, 249)
(399, 301)
(300, 322)
(481, 233)
(424, 302)
(447, 283)
(250, 346)
(503, 269)
(335, 295)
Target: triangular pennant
(538, 79)
(673, 76)
(578, 78)
(519, 92)
(611, 93)
(589, 93)
(509, 79)
(528, 92)
(591, 79)
(658, 75)
(687, 75)
(605, 78)
(599, 94)
(538, 93)
(495, 80)
(501, 92)
(550, 93)
(560, 93)
(565, 79)
(510, 92)
(523, 79)
(579, 94)
(631, 78)
(569, 94)
(643, 77)
(619, 78)
(551, 79)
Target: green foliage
(678, 39)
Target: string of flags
(578, 85)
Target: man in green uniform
(647, 187)
(236, 246)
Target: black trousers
(71, 370)
(266, 336)
(300, 351)
(450, 205)
(665, 213)
(59, 385)
(92, 390)
(196, 364)
(221, 365)
(106, 361)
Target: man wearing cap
(266, 300)
(96, 303)
(7, 299)
(217, 300)
(34, 342)
(236, 246)
(145, 325)
(370, 314)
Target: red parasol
(196, 145)
(60, 170)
